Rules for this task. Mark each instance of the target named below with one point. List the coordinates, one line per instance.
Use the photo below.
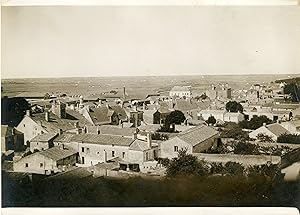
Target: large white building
(181, 91)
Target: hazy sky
(107, 41)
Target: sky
(90, 41)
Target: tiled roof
(81, 119)
(120, 112)
(277, 129)
(55, 153)
(54, 123)
(180, 88)
(102, 139)
(111, 129)
(44, 137)
(141, 145)
(100, 115)
(185, 105)
(64, 137)
(197, 134)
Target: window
(24, 125)
(41, 165)
(82, 149)
(113, 153)
(123, 154)
(82, 159)
(26, 165)
(175, 148)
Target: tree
(255, 122)
(158, 136)
(289, 138)
(186, 165)
(211, 120)
(244, 148)
(176, 117)
(293, 89)
(235, 132)
(233, 106)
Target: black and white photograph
(150, 105)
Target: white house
(197, 139)
(233, 117)
(180, 91)
(272, 130)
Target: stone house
(194, 140)
(180, 91)
(46, 162)
(42, 141)
(272, 130)
(11, 139)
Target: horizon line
(149, 76)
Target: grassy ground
(212, 191)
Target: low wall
(230, 141)
(246, 160)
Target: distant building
(194, 140)
(233, 117)
(11, 139)
(101, 115)
(217, 114)
(180, 91)
(292, 126)
(46, 162)
(219, 91)
(272, 130)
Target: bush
(244, 148)
(235, 132)
(186, 165)
(255, 122)
(264, 138)
(158, 136)
(234, 168)
(293, 90)
(289, 138)
(211, 120)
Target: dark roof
(277, 129)
(54, 124)
(81, 119)
(100, 115)
(56, 153)
(102, 139)
(120, 112)
(44, 137)
(64, 137)
(198, 134)
(78, 172)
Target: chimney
(144, 106)
(264, 124)
(124, 92)
(60, 131)
(28, 112)
(13, 131)
(105, 156)
(136, 119)
(107, 106)
(121, 124)
(76, 124)
(47, 116)
(77, 131)
(149, 140)
(135, 135)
